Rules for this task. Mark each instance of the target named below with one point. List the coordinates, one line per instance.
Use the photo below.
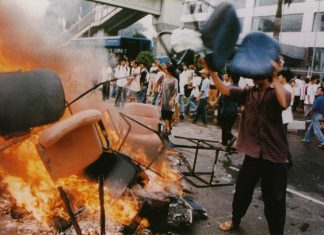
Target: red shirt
(261, 128)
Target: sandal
(227, 226)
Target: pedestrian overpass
(114, 15)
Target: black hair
(173, 71)
(287, 74)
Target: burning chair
(74, 147)
(136, 132)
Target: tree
(139, 35)
(278, 19)
(145, 57)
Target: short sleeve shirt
(261, 132)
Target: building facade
(302, 28)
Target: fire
(34, 190)
(21, 168)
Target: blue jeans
(193, 105)
(120, 95)
(315, 127)
(201, 111)
(181, 104)
(142, 95)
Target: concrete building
(302, 27)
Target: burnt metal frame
(192, 173)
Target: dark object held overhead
(220, 35)
(29, 99)
(253, 59)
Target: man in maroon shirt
(262, 138)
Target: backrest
(147, 114)
(71, 145)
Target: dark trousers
(142, 94)
(273, 178)
(120, 95)
(226, 124)
(105, 91)
(289, 157)
(201, 111)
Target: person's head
(226, 78)
(191, 67)
(172, 71)
(261, 82)
(234, 77)
(320, 91)
(153, 64)
(285, 76)
(134, 64)
(142, 65)
(292, 83)
(315, 79)
(298, 76)
(122, 62)
(203, 73)
(185, 68)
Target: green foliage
(145, 57)
(139, 35)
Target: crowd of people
(192, 94)
(266, 106)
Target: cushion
(220, 35)
(29, 99)
(253, 59)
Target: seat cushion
(220, 35)
(253, 59)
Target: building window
(271, 2)
(318, 22)
(237, 3)
(263, 23)
(289, 23)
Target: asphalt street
(305, 196)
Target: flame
(34, 190)
(21, 168)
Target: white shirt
(299, 84)
(106, 74)
(311, 93)
(122, 72)
(195, 83)
(183, 81)
(135, 84)
(287, 115)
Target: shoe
(227, 226)
(181, 116)
(231, 142)
(306, 142)
(321, 145)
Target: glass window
(271, 2)
(263, 23)
(318, 22)
(238, 3)
(291, 23)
